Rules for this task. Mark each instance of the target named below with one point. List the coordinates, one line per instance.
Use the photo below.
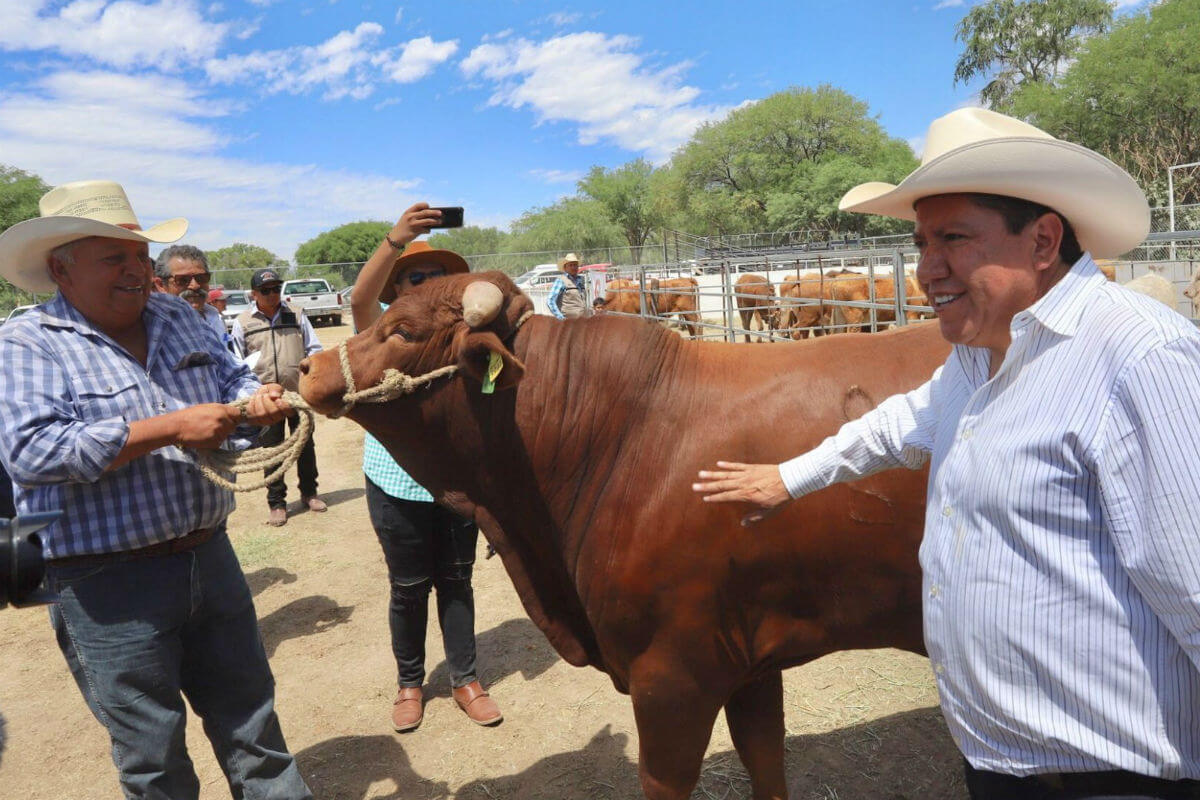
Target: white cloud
(339, 65)
(249, 28)
(556, 175)
(163, 34)
(399, 14)
(948, 4)
(611, 94)
(563, 18)
(417, 58)
(157, 143)
(345, 65)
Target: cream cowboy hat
(980, 151)
(567, 259)
(70, 212)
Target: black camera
(22, 565)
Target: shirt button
(935, 590)
(947, 511)
(939, 668)
(967, 434)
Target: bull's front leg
(675, 716)
(755, 716)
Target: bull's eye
(403, 334)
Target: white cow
(1158, 287)
(1192, 292)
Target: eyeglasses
(268, 289)
(417, 278)
(184, 281)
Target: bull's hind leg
(674, 721)
(755, 717)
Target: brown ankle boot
(408, 709)
(477, 704)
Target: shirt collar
(1061, 308)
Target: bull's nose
(304, 366)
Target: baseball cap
(264, 276)
(215, 294)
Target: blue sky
(269, 121)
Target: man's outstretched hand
(757, 484)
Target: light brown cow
(756, 301)
(815, 316)
(673, 299)
(858, 289)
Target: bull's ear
(473, 351)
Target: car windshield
(236, 299)
(307, 287)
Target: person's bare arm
(364, 301)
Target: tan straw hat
(70, 212)
(567, 259)
(449, 260)
(979, 151)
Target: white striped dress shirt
(1061, 553)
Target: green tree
(626, 194)
(233, 266)
(1133, 95)
(782, 164)
(346, 245)
(19, 195)
(468, 241)
(1020, 42)
(570, 224)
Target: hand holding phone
(452, 216)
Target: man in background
(273, 339)
(182, 270)
(567, 298)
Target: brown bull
(673, 299)
(756, 301)
(578, 469)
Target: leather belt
(180, 544)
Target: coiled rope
(394, 384)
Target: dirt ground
(859, 724)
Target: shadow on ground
(907, 756)
(515, 645)
(303, 617)
(362, 768)
(296, 508)
(262, 579)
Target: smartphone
(452, 216)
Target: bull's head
(463, 320)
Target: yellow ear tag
(495, 364)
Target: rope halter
(481, 304)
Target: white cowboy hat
(980, 151)
(567, 259)
(70, 212)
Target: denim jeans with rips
(142, 634)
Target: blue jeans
(427, 546)
(142, 634)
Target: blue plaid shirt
(67, 395)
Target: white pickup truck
(315, 298)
